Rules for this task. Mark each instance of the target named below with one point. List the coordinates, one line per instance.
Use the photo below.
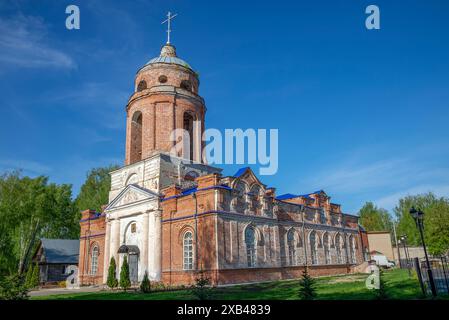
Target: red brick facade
(91, 245)
(233, 228)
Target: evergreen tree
(125, 282)
(307, 285)
(145, 286)
(112, 281)
(13, 287)
(34, 281)
(29, 276)
(381, 293)
(201, 289)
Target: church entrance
(133, 268)
(133, 261)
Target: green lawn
(346, 287)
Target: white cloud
(23, 43)
(383, 179)
(390, 201)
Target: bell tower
(165, 98)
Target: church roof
(168, 56)
(60, 250)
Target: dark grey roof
(61, 250)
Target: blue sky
(361, 114)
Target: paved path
(51, 291)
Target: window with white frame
(94, 260)
(188, 251)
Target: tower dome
(168, 56)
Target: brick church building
(173, 217)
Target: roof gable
(248, 176)
(130, 195)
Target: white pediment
(131, 195)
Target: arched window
(352, 249)
(327, 257)
(136, 137)
(186, 85)
(250, 241)
(254, 196)
(338, 248)
(191, 176)
(239, 200)
(188, 126)
(313, 245)
(188, 251)
(291, 244)
(94, 260)
(142, 85)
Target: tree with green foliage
(145, 286)
(202, 289)
(31, 208)
(34, 281)
(29, 276)
(112, 281)
(94, 192)
(436, 221)
(125, 282)
(13, 287)
(307, 286)
(373, 218)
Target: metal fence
(439, 270)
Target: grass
(346, 287)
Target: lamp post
(404, 242)
(418, 215)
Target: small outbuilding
(54, 256)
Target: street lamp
(404, 242)
(418, 215)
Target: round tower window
(162, 79)
(142, 85)
(185, 84)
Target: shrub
(307, 290)
(145, 286)
(112, 281)
(35, 277)
(13, 287)
(201, 289)
(125, 282)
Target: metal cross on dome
(168, 20)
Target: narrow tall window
(188, 126)
(291, 243)
(250, 241)
(351, 249)
(136, 137)
(338, 248)
(94, 261)
(188, 251)
(327, 256)
(313, 247)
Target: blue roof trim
(291, 196)
(194, 190)
(240, 172)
